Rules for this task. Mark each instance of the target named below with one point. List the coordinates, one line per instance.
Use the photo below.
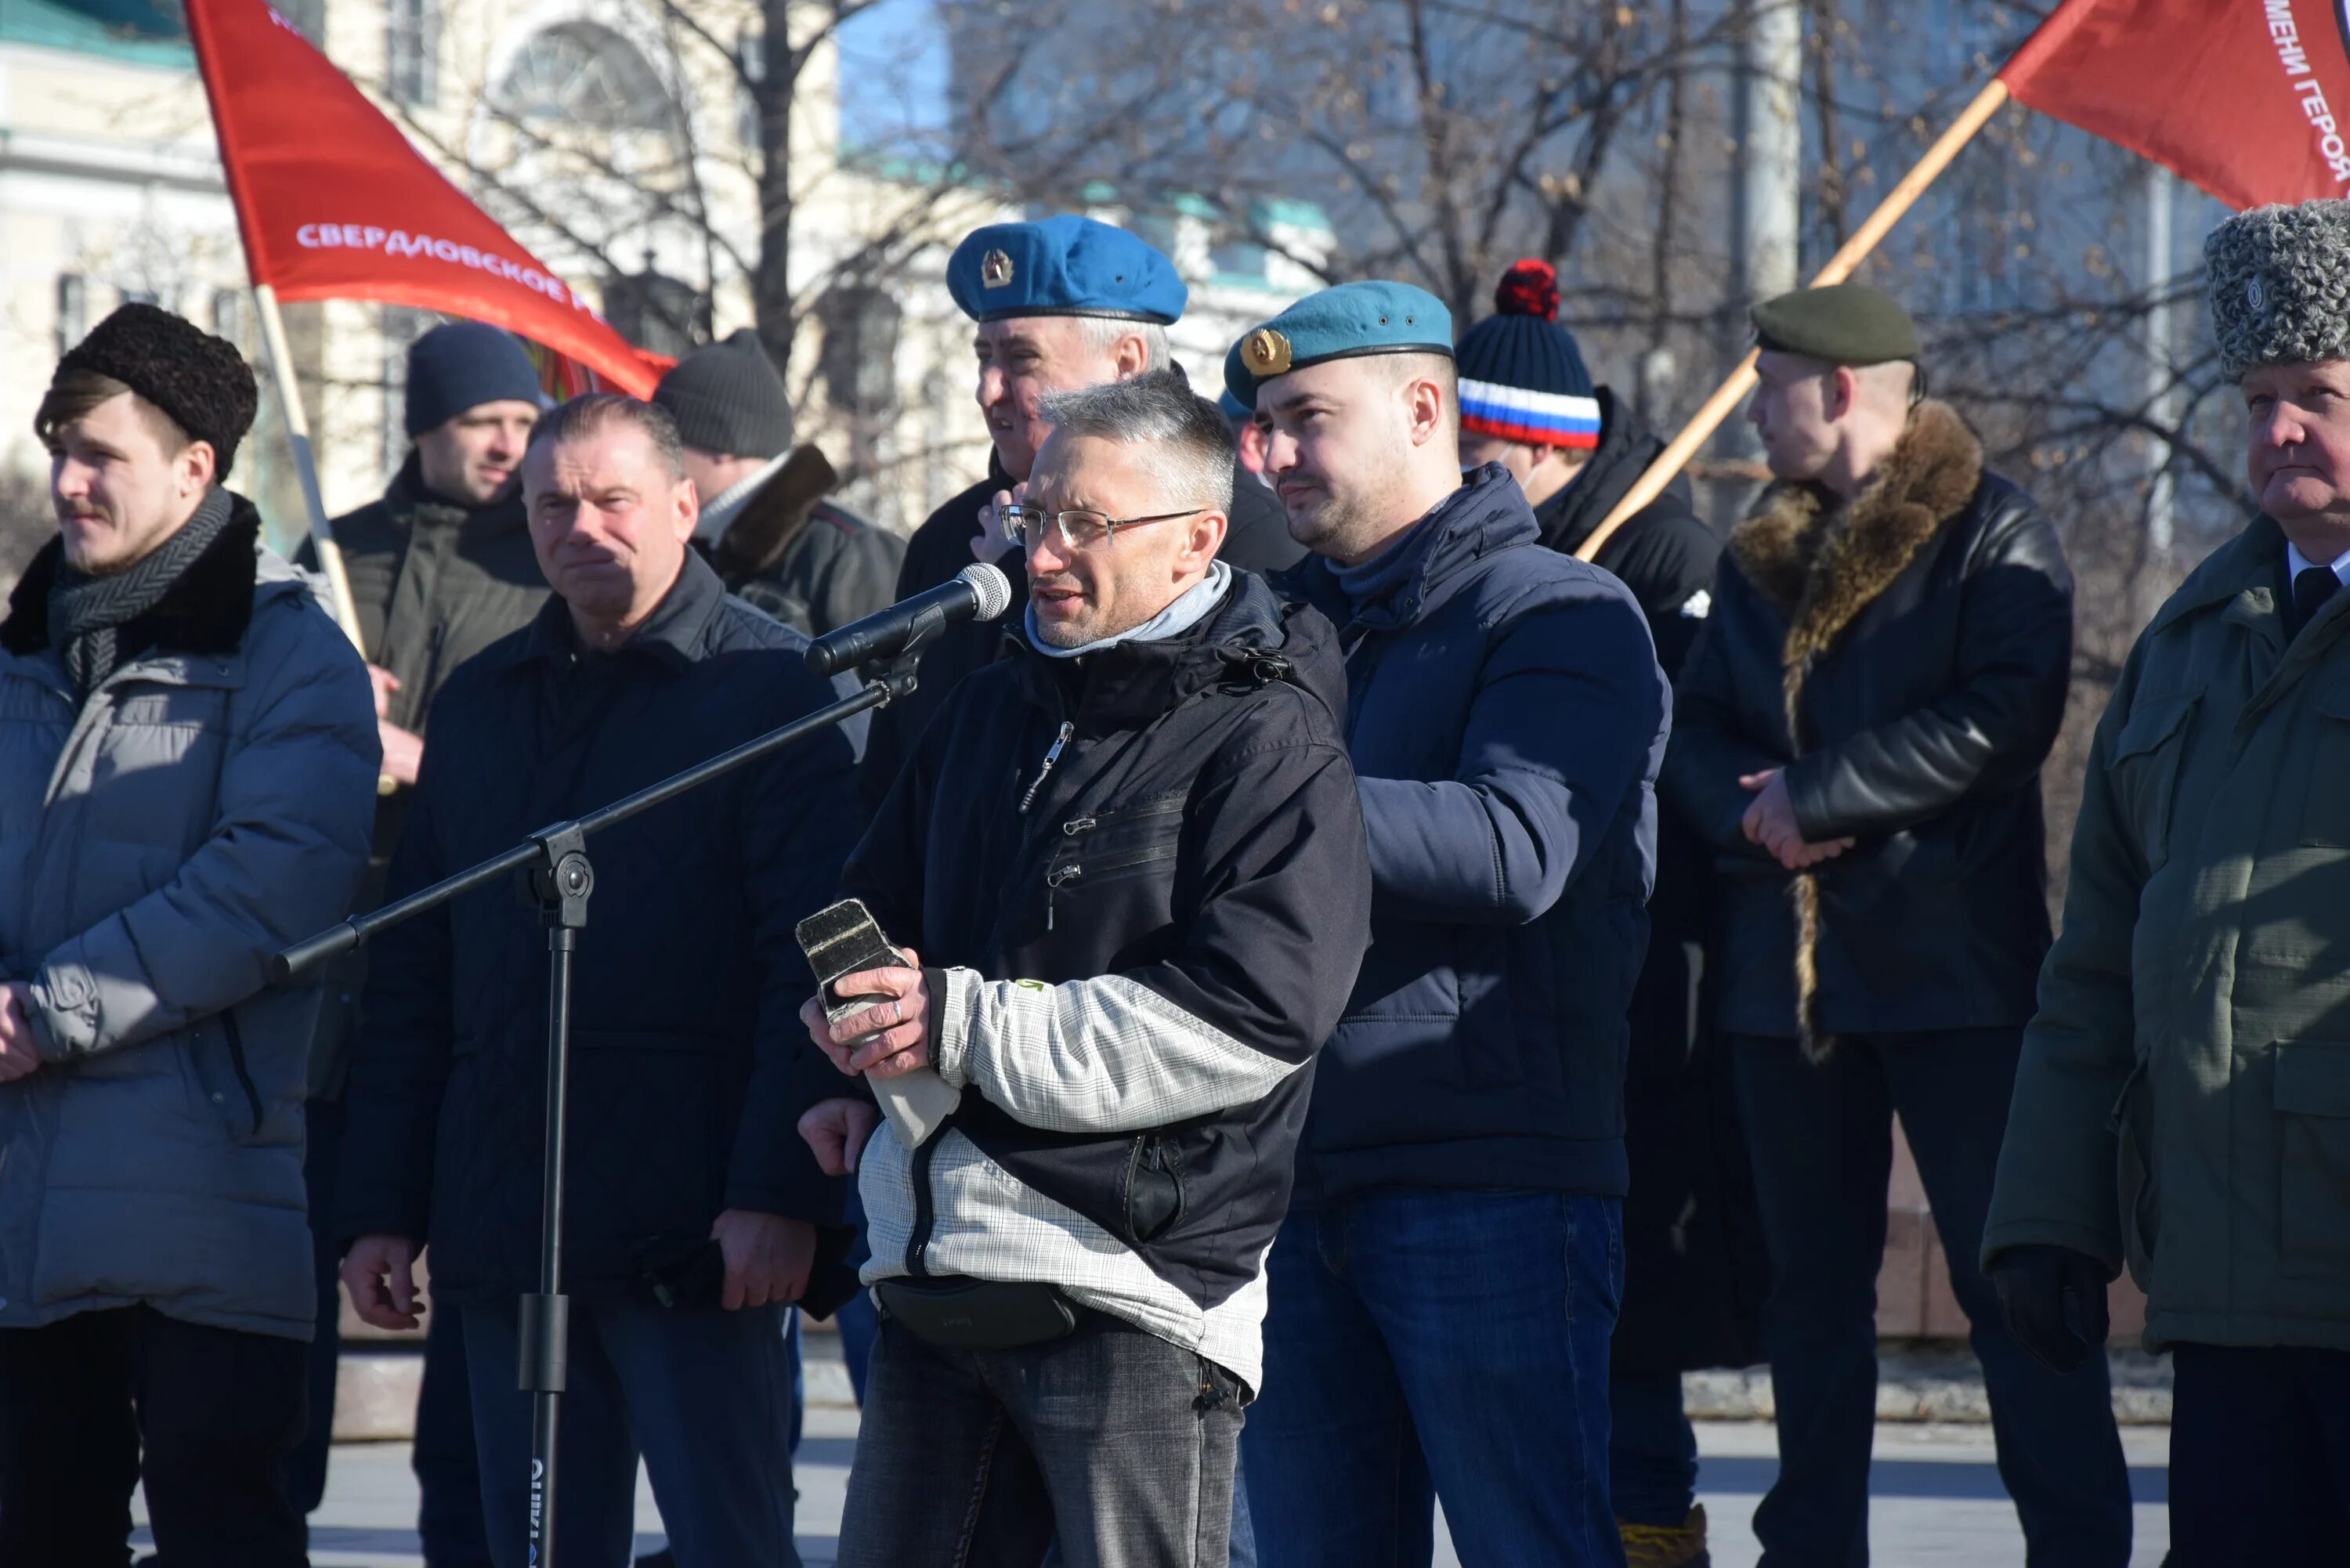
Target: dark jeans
(1422, 1344)
(1651, 1451)
(1117, 1441)
(448, 1523)
(703, 1394)
(2260, 1456)
(1821, 1137)
(448, 1481)
(97, 1404)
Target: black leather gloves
(2034, 1283)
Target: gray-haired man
(2194, 1026)
(1155, 776)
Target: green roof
(132, 31)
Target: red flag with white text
(2248, 98)
(334, 204)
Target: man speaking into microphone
(1129, 861)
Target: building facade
(616, 138)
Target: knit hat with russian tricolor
(1522, 377)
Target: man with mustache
(2181, 1102)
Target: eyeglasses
(1078, 529)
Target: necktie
(2312, 587)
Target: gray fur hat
(2278, 279)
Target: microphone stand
(553, 866)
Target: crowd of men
(1406, 993)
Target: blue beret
(1342, 323)
(1065, 265)
(1232, 406)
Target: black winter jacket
(1507, 715)
(803, 560)
(689, 1061)
(1137, 949)
(1694, 1266)
(1920, 638)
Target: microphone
(979, 592)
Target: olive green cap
(1846, 324)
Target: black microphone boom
(979, 592)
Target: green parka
(2184, 1100)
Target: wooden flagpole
(1865, 239)
(289, 393)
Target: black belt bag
(955, 1312)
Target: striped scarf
(85, 612)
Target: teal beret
(1065, 265)
(1846, 324)
(1342, 323)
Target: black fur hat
(200, 380)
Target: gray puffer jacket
(208, 804)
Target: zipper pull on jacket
(1052, 755)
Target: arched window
(579, 74)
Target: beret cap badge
(995, 270)
(2254, 294)
(1266, 352)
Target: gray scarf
(85, 612)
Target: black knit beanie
(461, 365)
(728, 399)
(200, 380)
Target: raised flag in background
(334, 202)
(2248, 98)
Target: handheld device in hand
(842, 940)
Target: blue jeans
(1820, 1139)
(1652, 1452)
(1422, 1344)
(703, 1394)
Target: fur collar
(1823, 568)
(208, 610)
(773, 516)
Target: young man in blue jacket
(1443, 1290)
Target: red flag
(334, 204)
(2248, 98)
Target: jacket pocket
(2326, 811)
(221, 1075)
(2145, 770)
(2313, 1119)
(2140, 1205)
(1140, 840)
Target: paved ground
(1939, 1498)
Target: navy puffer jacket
(1506, 717)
